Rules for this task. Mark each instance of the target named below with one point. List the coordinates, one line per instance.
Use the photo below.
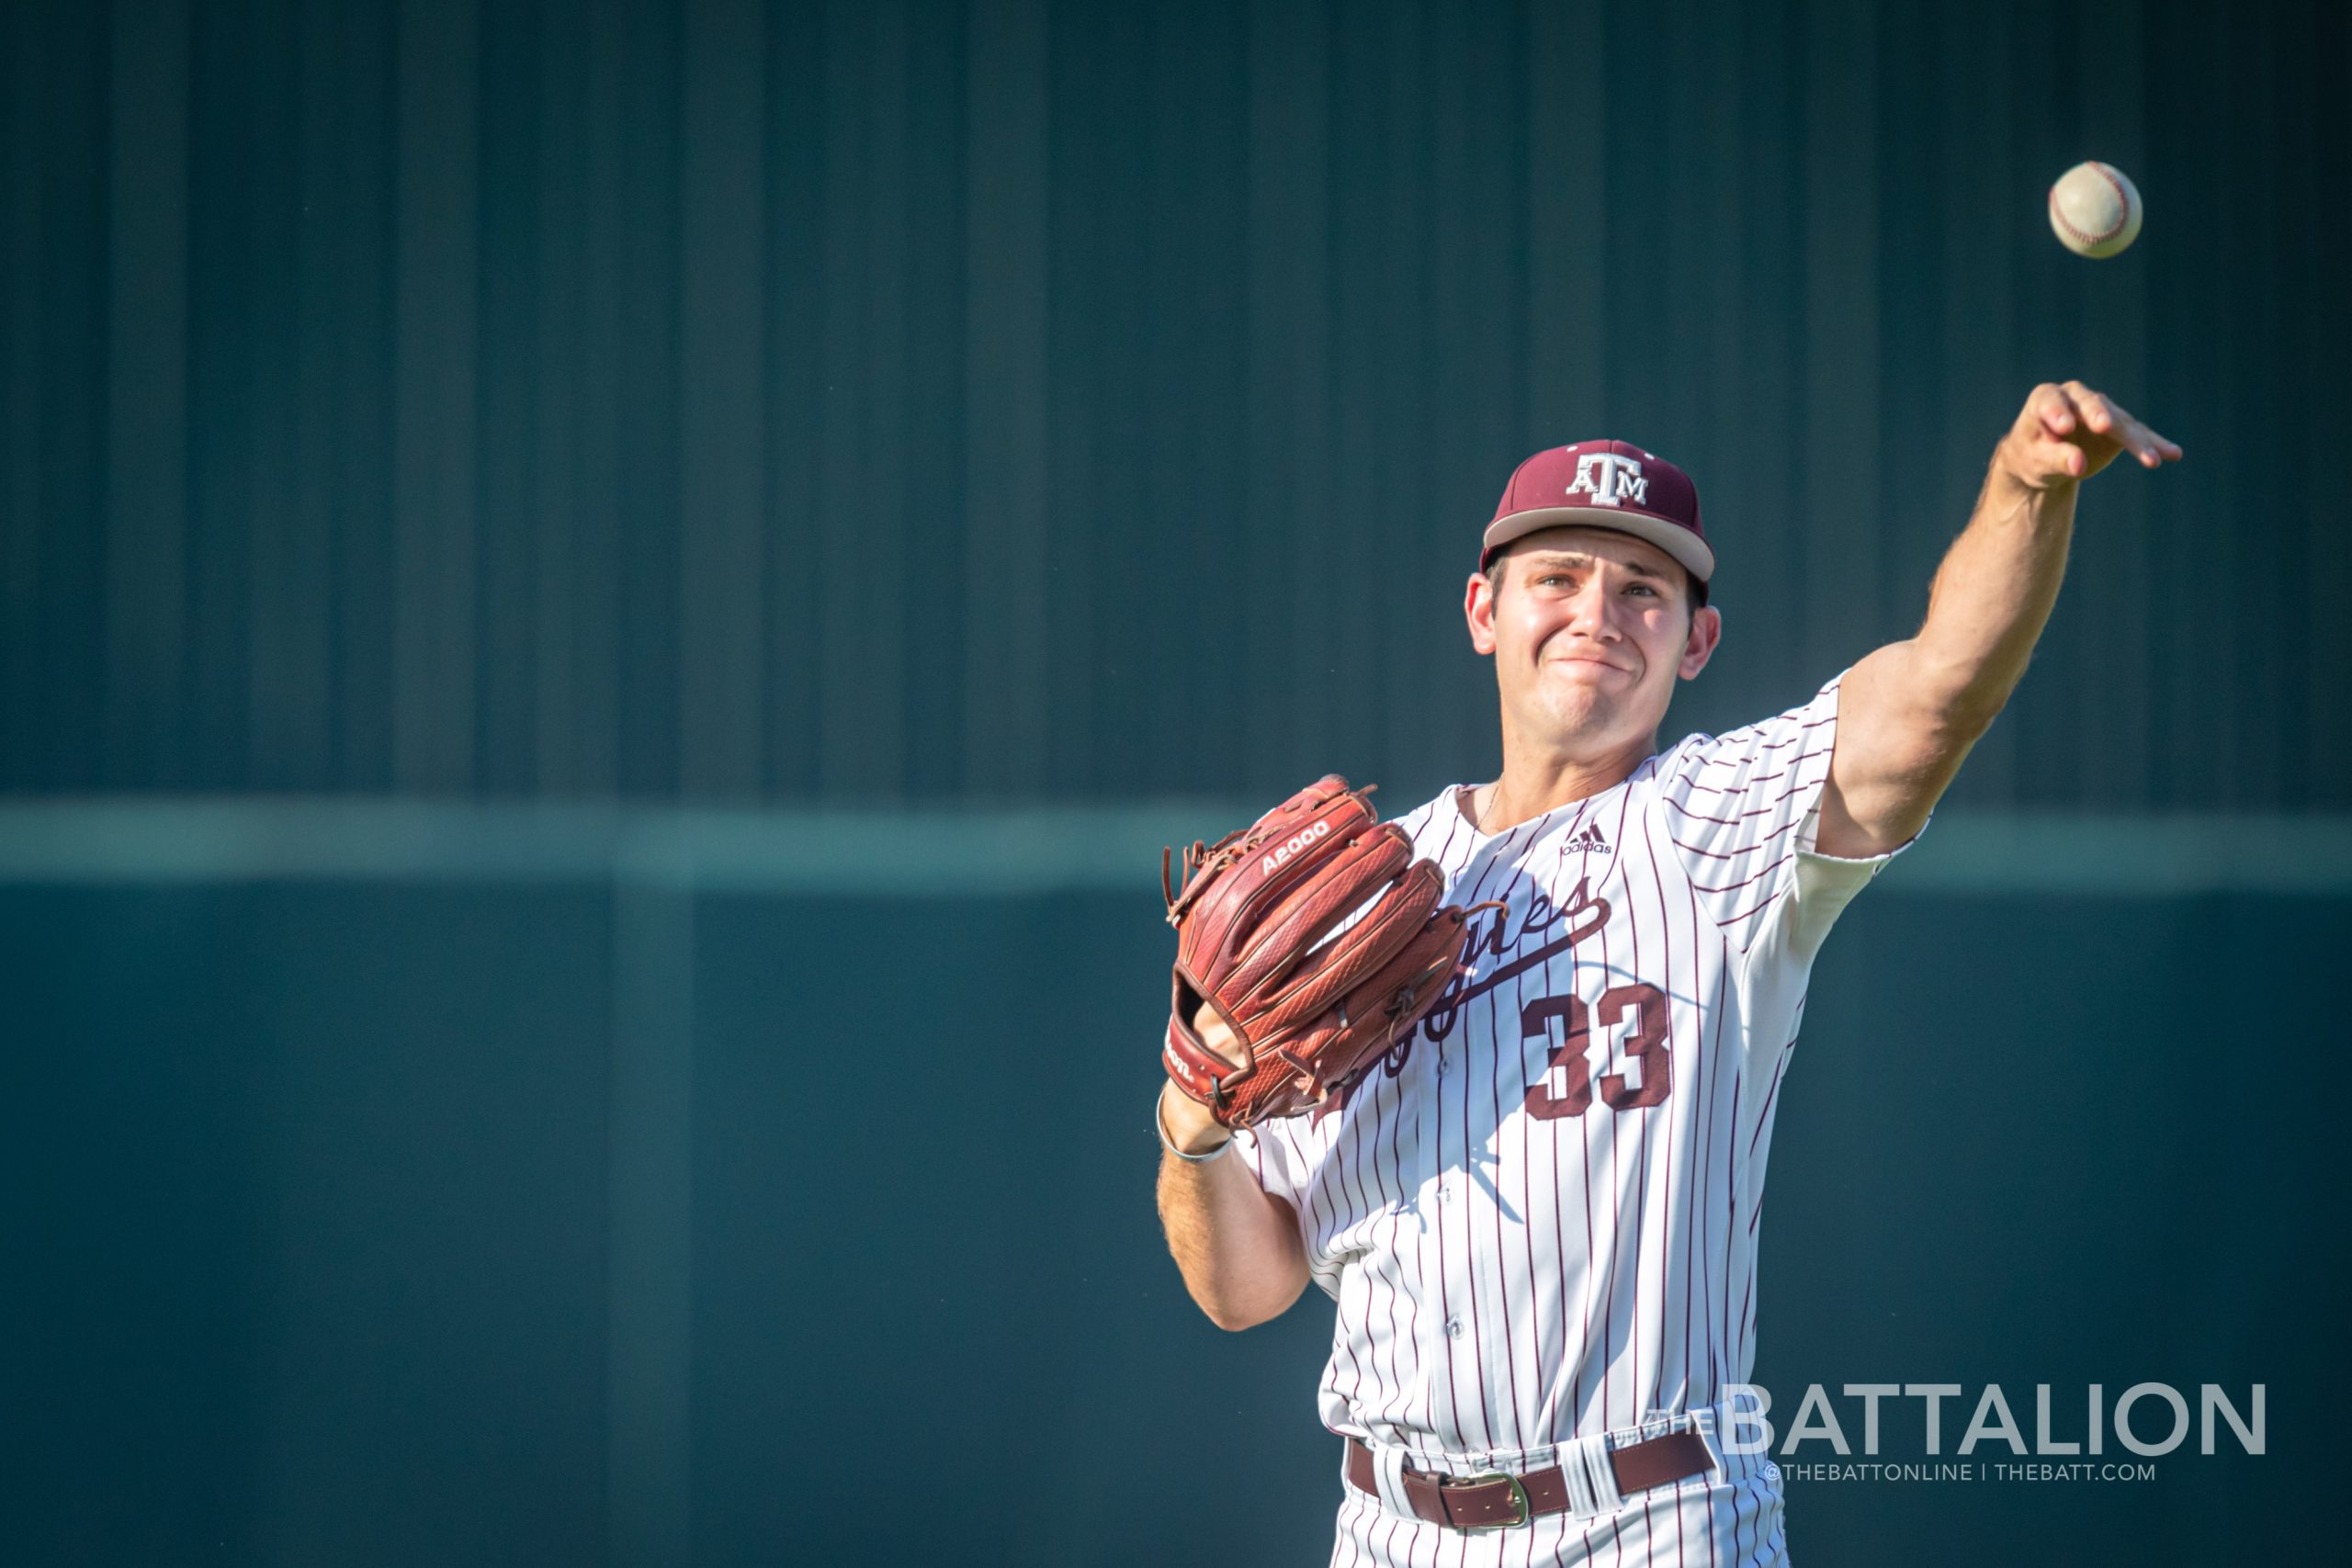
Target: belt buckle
(1517, 1493)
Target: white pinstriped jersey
(1539, 1215)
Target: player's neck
(1534, 783)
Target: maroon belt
(1499, 1501)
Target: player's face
(1589, 631)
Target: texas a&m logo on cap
(1609, 480)
(1603, 484)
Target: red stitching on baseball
(2122, 207)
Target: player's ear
(1478, 609)
(1706, 630)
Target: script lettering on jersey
(1585, 913)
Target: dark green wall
(901, 400)
(331, 1205)
(1050, 400)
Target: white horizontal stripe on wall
(1002, 853)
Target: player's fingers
(2151, 449)
(2098, 411)
(2050, 458)
(2053, 409)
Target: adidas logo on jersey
(1589, 842)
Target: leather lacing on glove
(1316, 938)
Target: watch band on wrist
(1159, 1121)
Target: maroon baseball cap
(1603, 484)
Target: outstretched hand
(2068, 432)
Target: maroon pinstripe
(1687, 888)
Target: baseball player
(1538, 1209)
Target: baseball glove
(1263, 939)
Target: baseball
(2094, 210)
